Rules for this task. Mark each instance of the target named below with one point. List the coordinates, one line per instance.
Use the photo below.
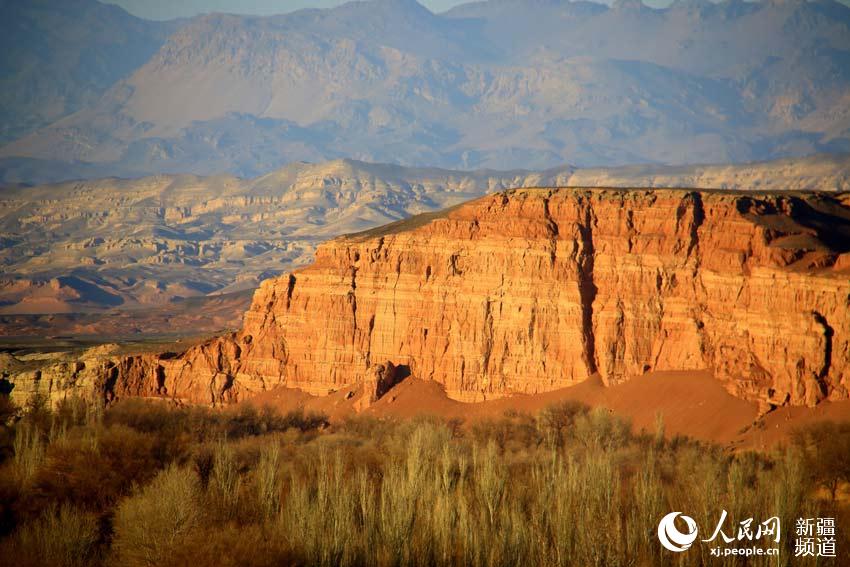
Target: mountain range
(90, 91)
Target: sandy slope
(692, 404)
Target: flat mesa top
(828, 208)
(702, 190)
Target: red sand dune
(692, 404)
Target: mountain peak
(410, 5)
(628, 5)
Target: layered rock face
(532, 290)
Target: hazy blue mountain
(58, 56)
(500, 84)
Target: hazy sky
(166, 9)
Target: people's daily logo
(815, 537)
(670, 536)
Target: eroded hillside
(111, 243)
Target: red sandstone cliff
(533, 290)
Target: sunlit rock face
(531, 290)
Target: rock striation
(531, 290)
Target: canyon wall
(532, 290)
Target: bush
(150, 525)
(231, 546)
(8, 412)
(268, 482)
(225, 482)
(205, 424)
(95, 468)
(555, 421)
(601, 429)
(825, 447)
(151, 484)
(63, 537)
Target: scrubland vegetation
(142, 484)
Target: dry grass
(566, 487)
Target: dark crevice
(488, 335)
(453, 265)
(112, 373)
(290, 287)
(551, 229)
(828, 333)
(532, 321)
(618, 346)
(369, 342)
(587, 287)
(352, 296)
(376, 253)
(699, 217)
(159, 374)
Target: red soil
(693, 404)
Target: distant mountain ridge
(89, 245)
(57, 57)
(501, 84)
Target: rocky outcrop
(380, 378)
(532, 290)
(55, 379)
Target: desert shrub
(8, 412)
(224, 485)
(249, 421)
(601, 429)
(37, 411)
(147, 416)
(570, 486)
(63, 537)
(152, 524)
(206, 424)
(318, 513)
(511, 431)
(267, 481)
(231, 546)
(556, 420)
(95, 475)
(29, 449)
(10, 495)
(825, 449)
(71, 411)
(31, 435)
(366, 426)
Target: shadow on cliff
(814, 222)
